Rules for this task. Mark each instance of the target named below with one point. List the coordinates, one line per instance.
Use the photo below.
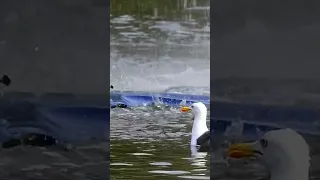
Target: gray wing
(204, 141)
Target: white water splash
(157, 55)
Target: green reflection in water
(131, 159)
(162, 9)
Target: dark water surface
(55, 46)
(89, 161)
(80, 122)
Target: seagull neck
(199, 127)
(200, 121)
(201, 117)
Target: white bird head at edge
(284, 152)
(199, 111)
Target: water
(76, 120)
(157, 46)
(88, 161)
(153, 143)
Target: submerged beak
(242, 150)
(185, 109)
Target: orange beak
(241, 151)
(185, 109)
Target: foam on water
(156, 79)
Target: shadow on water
(153, 143)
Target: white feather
(287, 155)
(199, 127)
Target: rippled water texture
(158, 45)
(155, 46)
(153, 143)
(72, 120)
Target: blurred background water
(156, 46)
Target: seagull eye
(264, 143)
(191, 106)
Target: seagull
(200, 133)
(284, 152)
